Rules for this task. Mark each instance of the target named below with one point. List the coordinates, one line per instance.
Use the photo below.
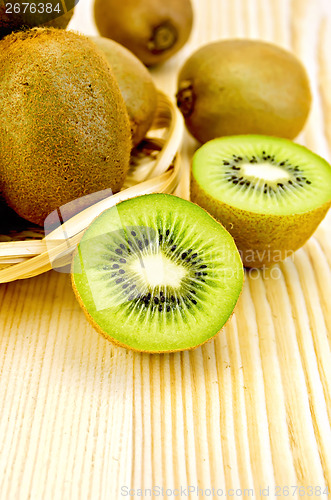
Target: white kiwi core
(264, 171)
(158, 270)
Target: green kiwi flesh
(269, 193)
(25, 18)
(135, 83)
(240, 86)
(64, 128)
(157, 273)
(153, 30)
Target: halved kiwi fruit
(269, 193)
(157, 273)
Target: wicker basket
(154, 168)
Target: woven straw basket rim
(31, 254)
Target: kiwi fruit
(157, 273)
(153, 30)
(270, 193)
(21, 14)
(135, 83)
(240, 86)
(64, 128)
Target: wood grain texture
(81, 419)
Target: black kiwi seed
(156, 300)
(123, 261)
(118, 251)
(173, 248)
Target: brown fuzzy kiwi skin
(153, 30)
(136, 85)
(262, 239)
(16, 22)
(64, 128)
(241, 86)
(120, 344)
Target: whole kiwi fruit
(135, 83)
(153, 30)
(22, 15)
(64, 128)
(241, 86)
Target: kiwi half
(269, 193)
(157, 273)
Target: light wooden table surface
(251, 410)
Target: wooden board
(251, 410)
